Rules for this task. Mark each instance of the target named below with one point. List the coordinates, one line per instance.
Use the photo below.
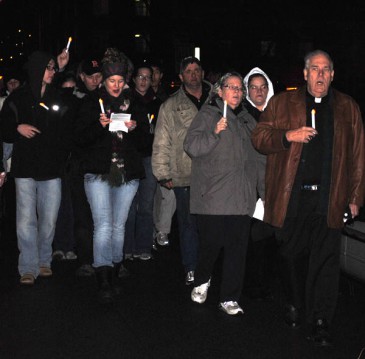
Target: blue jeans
(37, 204)
(139, 227)
(109, 208)
(188, 232)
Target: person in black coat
(37, 121)
(112, 168)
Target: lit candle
(68, 43)
(197, 53)
(150, 118)
(225, 109)
(43, 105)
(314, 118)
(101, 105)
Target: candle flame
(313, 112)
(43, 105)
(101, 105)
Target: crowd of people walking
(99, 158)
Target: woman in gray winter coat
(227, 174)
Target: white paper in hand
(259, 210)
(118, 122)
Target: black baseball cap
(90, 66)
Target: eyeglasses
(52, 68)
(141, 77)
(234, 88)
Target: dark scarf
(117, 175)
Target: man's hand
(2, 178)
(303, 134)
(167, 183)
(354, 210)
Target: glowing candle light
(43, 105)
(151, 117)
(68, 43)
(101, 105)
(225, 109)
(197, 52)
(314, 118)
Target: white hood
(257, 70)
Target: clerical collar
(318, 99)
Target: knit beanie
(114, 68)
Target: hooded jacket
(42, 157)
(251, 107)
(257, 70)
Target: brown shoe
(27, 279)
(45, 272)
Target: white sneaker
(231, 308)
(199, 294)
(162, 239)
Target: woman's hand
(221, 125)
(104, 120)
(27, 131)
(131, 125)
(63, 59)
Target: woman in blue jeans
(112, 168)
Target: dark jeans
(188, 233)
(83, 222)
(64, 234)
(139, 226)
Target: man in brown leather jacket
(314, 142)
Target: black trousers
(231, 234)
(309, 254)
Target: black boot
(122, 272)
(118, 267)
(320, 334)
(104, 276)
(292, 316)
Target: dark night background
(232, 34)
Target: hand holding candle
(313, 118)
(101, 105)
(68, 43)
(225, 109)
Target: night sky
(232, 34)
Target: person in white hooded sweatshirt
(261, 248)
